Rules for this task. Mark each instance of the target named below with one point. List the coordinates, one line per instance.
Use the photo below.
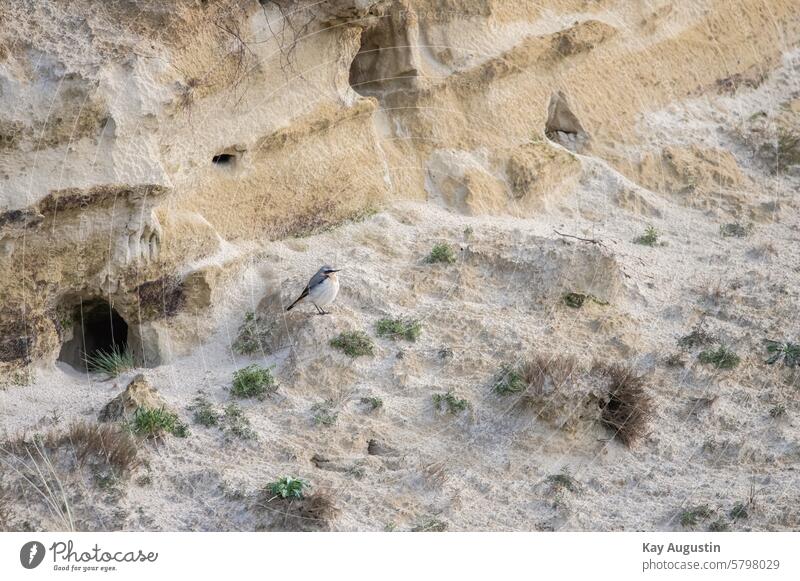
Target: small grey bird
(321, 290)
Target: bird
(321, 290)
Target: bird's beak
(337, 270)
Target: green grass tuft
(722, 357)
(510, 381)
(577, 300)
(563, 481)
(253, 381)
(408, 329)
(236, 423)
(735, 230)
(691, 516)
(325, 413)
(252, 337)
(449, 402)
(649, 238)
(288, 487)
(372, 402)
(430, 525)
(789, 352)
(354, 344)
(204, 412)
(111, 362)
(155, 422)
(441, 252)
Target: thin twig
(589, 240)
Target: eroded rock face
(138, 394)
(147, 149)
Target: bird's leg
(319, 311)
(323, 312)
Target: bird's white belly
(324, 293)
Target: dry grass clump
(550, 386)
(49, 477)
(86, 442)
(626, 407)
(564, 393)
(307, 512)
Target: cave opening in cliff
(385, 60)
(563, 126)
(92, 328)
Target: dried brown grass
(626, 408)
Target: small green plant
(441, 252)
(719, 526)
(563, 481)
(252, 336)
(236, 423)
(372, 402)
(354, 344)
(698, 337)
(778, 411)
(155, 422)
(204, 412)
(253, 381)
(739, 511)
(691, 516)
(734, 230)
(722, 357)
(112, 362)
(408, 329)
(449, 402)
(789, 352)
(510, 381)
(430, 525)
(576, 300)
(325, 413)
(649, 238)
(288, 487)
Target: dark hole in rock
(225, 159)
(386, 60)
(563, 126)
(95, 327)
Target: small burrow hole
(91, 328)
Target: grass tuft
(627, 407)
(449, 402)
(204, 412)
(509, 381)
(252, 337)
(698, 337)
(430, 525)
(354, 343)
(735, 230)
(577, 300)
(408, 329)
(372, 402)
(789, 352)
(442, 253)
(691, 516)
(325, 413)
(563, 481)
(288, 487)
(153, 423)
(722, 357)
(253, 381)
(236, 423)
(113, 362)
(649, 238)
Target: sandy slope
(486, 468)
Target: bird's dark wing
(303, 295)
